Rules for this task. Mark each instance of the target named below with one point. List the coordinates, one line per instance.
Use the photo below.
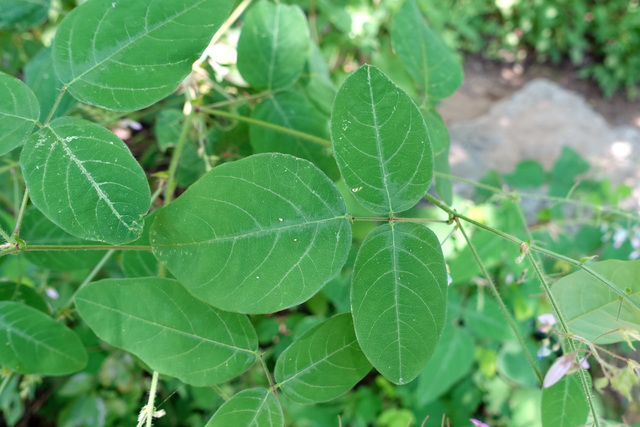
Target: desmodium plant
(285, 204)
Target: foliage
(251, 240)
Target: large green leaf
(323, 364)
(256, 235)
(398, 298)
(381, 142)
(591, 309)
(293, 111)
(19, 112)
(171, 331)
(127, 54)
(451, 361)
(564, 404)
(34, 343)
(42, 79)
(274, 45)
(38, 230)
(255, 407)
(85, 180)
(431, 64)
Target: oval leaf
(380, 142)
(105, 51)
(38, 230)
(323, 364)
(591, 309)
(293, 111)
(256, 235)
(431, 64)
(171, 331)
(85, 180)
(19, 112)
(274, 45)
(564, 404)
(34, 343)
(398, 298)
(255, 407)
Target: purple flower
(478, 423)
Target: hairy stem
(55, 106)
(23, 207)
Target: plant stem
(55, 106)
(268, 125)
(5, 236)
(152, 398)
(85, 248)
(175, 161)
(534, 247)
(242, 100)
(89, 278)
(503, 307)
(23, 207)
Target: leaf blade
(252, 408)
(19, 112)
(564, 404)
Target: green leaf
(323, 364)
(273, 46)
(451, 361)
(482, 316)
(85, 180)
(171, 331)
(45, 84)
(24, 294)
(316, 82)
(34, 343)
(380, 142)
(398, 298)
(141, 263)
(20, 15)
(127, 54)
(293, 111)
(167, 128)
(440, 139)
(38, 230)
(564, 404)
(431, 64)
(591, 309)
(19, 112)
(255, 407)
(255, 236)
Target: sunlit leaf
(256, 235)
(591, 309)
(291, 110)
(323, 364)
(274, 45)
(85, 180)
(564, 404)
(34, 343)
(431, 64)
(19, 112)
(398, 298)
(127, 54)
(171, 331)
(380, 142)
(255, 407)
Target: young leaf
(323, 364)
(398, 298)
(591, 308)
(127, 54)
(254, 407)
(430, 63)
(85, 180)
(38, 230)
(19, 112)
(274, 45)
(45, 84)
(451, 361)
(293, 111)
(256, 235)
(34, 343)
(171, 331)
(381, 142)
(564, 404)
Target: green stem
(267, 125)
(235, 101)
(89, 278)
(55, 106)
(175, 161)
(152, 398)
(23, 207)
(85, 248)
(5, 236)
(503, 307)
(537, 248)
